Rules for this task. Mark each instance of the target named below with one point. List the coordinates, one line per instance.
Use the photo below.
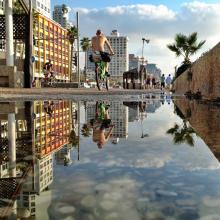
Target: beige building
(119, 62)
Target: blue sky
(158, 20)
(174, 4)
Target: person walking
(168, 82)
(162, 82)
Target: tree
(85, 44)
(185, 46)
(86, 130)
(72, 35)
(182, 134)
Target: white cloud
(159, 23)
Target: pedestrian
(148, 82)
(168, 82)
(153, 82)
(162, 82)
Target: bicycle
(101, 76)
(49, 79)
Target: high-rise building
(1, 7)
(135, 62)
(61, 15)
(43, 6)
(51, 43)
(153, 70)
(119, 115)
(119, 62)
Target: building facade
(51, 42)
(1, 7)
(119, 62)
(61, 15)
(152, 69)
(51, 131)
(42, 6)
(136, 62)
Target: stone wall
(10, 77)
(205, 76)
(205, 120)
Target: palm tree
(182, 134)
(72, 35)
(86, 130)
(85, 44)
(185, 46)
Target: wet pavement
(149, 156)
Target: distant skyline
(157, 20)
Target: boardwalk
(67, 93)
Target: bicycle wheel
(101, 80)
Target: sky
(157, 20)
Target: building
(42, 6)
(61, 15)
(51, 131)
(119, 115)
(119, 62)
(1, 7)
(51, 42)
(152, 69)
(135, 62)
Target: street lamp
(144, 40)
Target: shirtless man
(98, 43)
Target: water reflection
(54, 170)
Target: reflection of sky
(124, 172)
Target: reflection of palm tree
(73, 139)
(182, 134)
(86, 130)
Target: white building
(43, 6)
(61, 15)
(119, 62)
(119, 115)
(44, 173)
(1, 7)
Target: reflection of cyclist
(49, 107)
(100, 124)
(98, 43)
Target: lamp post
(144, 40)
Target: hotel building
(119, 62)
(51, 132)
(51, 42)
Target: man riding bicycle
(98, 43)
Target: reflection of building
(51, 132)
(119, 62)
(119, 115)
(43, 6)
(63, 156)
(52, 43)
(44, 173)
(61, 15)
